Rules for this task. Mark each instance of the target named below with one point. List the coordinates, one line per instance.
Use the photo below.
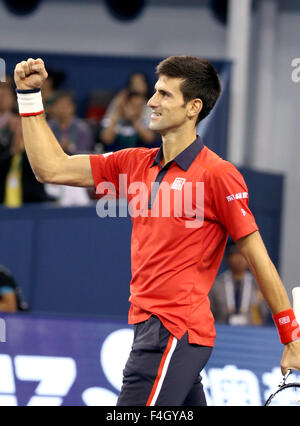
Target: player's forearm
(271, 286)
(42, 148)
(265, 273)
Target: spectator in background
(53, 83)
(8, 298)
(9, 81)
(7, 116)
(9, 141)
(11, 299)
(72, 132)
(126, 125)
(137, 82)
(234, 297)
(75, 137)
(18, 185)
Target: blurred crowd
(111, 121)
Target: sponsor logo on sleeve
(237, 196)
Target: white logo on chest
(178, 183)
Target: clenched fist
(30, 74)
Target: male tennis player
(174, 259)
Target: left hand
(291, 357)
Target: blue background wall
(67, 259)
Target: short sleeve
(231, 201)
(109, 170)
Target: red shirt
(175, 255)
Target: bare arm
(272, 289)
(264, 271)
(48, 160)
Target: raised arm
(273, 290)
(48, 160)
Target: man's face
(167, 104)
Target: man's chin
(155, 127)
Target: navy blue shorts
(161, 370)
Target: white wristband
(30, 102)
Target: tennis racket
(288, 394)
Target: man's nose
(152, 102)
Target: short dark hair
(201, 80)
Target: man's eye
(162, 93)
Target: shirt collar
(185, 158)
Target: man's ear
(195, 108)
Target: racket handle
(285, 378)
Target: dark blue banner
(77, 361)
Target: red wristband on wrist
(287, 326)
